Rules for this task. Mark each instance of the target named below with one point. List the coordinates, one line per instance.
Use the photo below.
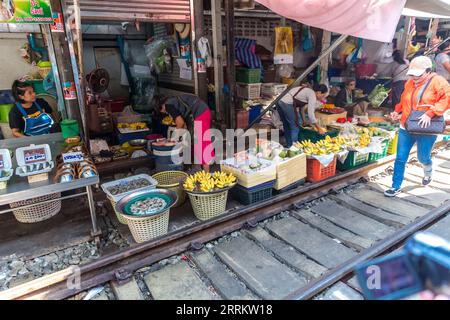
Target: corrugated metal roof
(142, 10)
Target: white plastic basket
(272, 89)
(248, 91)
(38, 212)
(117, 197)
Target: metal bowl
(138, 143)
(122, 203)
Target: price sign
(72, 157)
(34, 155)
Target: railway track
(301, 244)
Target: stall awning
(131, 10)
(427, 9)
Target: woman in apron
(305, 99)
(29, 116)
(190, 111)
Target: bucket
(4, 112)
(70, 128)
(365, 70)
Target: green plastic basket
(314, 136)
(376, 156)
(4, 112)
(354, 160)
(248, 75)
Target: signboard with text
(25, 11)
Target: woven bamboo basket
(209, 205)
(38, 212)
(146, 228)
(170, 180)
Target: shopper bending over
(424, 91)
(305, 99)
(189, 111)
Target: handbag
(437, 125)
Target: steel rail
(120, 266)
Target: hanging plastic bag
(384, 53)
(159, 55)
(284, 46)
(307, 42)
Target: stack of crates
(248, 83)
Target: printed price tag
(72, 157)
(34, 155)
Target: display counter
(19, 189)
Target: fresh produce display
(378, 95)
(168, 121)
(130, 186)
(329, 106)
(5, 173)
(206, 182)
(322, 147)
(289, 153)
(148, 206)
(132, 125)
(332, 110)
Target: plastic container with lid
(6, 170)
(34, 159)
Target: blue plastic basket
(254, 112)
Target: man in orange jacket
(424, 91)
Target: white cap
(418, 66)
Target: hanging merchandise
(183, 31)
(205, 51)
(284, 46)
(245, 53)
(159, 57)
(357, 54)
(384, 53)
(307, 41)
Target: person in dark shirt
(29, 116)
(190, 111)
(346, 99)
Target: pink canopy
(368, 19)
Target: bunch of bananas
(322, 147)
(364, 140)
(132, 125)
(168, 121)
(205, 182)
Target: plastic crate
(249, 91)
(125, 137)
(272, 89)
(248, 75)
(253, 195)
(354, 159)
(376, 156)
(392, 148)
(115, 198)
(314, 136)
(317, 172)
(254, 113)
(290, 187)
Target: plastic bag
(159, 56)
(384, 53)
(378, 95)
(285, 70)
(348, 131)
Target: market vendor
(189, 111)
(305, 99)
(346, 99)
(29, 116)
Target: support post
(231, 57)
(216, 15)
(197, 31)
(63, 60)
(326, 41)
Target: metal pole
(297, 82)
(47, 35)
(95, 230)
(218, 58)
(231, 57)
(76, 76)
(197, 31)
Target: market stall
(41, 198)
